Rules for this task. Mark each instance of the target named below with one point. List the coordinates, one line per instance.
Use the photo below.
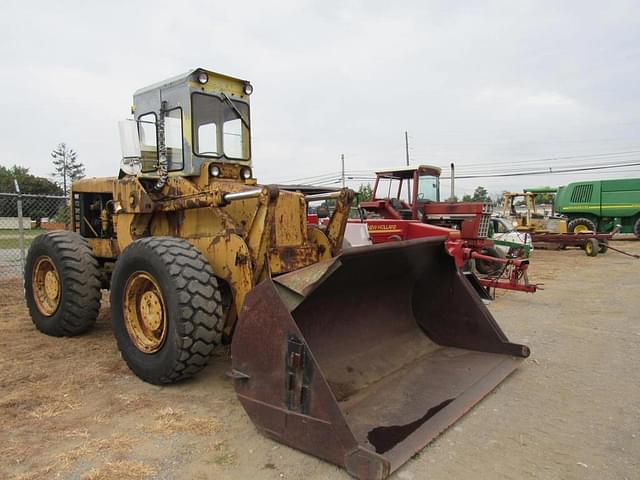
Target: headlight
(214, 170)
(245, 173)
(514, 223)
(248, 88)
(203, 78)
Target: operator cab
(422, 186)
(195, 119)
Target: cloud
(515, 98)
(478, 84)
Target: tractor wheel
(62, 284)
(579, 225)
(591, 247)
(636, 228)
(604, 247)
(166, 309)
(486, 267)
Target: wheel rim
(588, 248)
(46, 286)
(580, 228)
(145, 314)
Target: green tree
(467, 198)
(33, 207)
(365, 193)
(480, 194)
(28, 183)
(66, 166)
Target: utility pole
(406, 145)
(342, 160)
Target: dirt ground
(70, 408)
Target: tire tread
(199, 305)
(581, 221)
(80, 278)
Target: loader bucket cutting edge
(364, 359)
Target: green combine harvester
(601, 205)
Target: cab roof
(407, 172)
(182, 78)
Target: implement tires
(488, 268)
(578, 225)
(636, 228)
(604, 247)
(166, 309)
(591, 247)
(62, 284)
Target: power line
(480, 169)
(546, 172)
(570, 157)
(337, 179)
(562, 164)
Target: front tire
(166, 309)
(62, 284)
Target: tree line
(66, 169)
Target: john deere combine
(360, 358)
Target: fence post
(20, 225)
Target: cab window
(219, 127)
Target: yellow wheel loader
(360, 358)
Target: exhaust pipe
(453, 183)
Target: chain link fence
(22, 218)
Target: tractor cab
(181, 124)
(392, 199)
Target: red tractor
(413, 193)
(396, 212)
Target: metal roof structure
(407, 171)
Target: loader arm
(338, 221)
(259, 239)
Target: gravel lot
(70, 408)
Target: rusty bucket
(364, 359)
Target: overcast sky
(492, 86)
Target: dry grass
(123, 470)
(62, 399)
(94, 450)
(223, 456)
(170, 421)
(114, 445)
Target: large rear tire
(579, 225)
(62, 284)
(166, 309)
